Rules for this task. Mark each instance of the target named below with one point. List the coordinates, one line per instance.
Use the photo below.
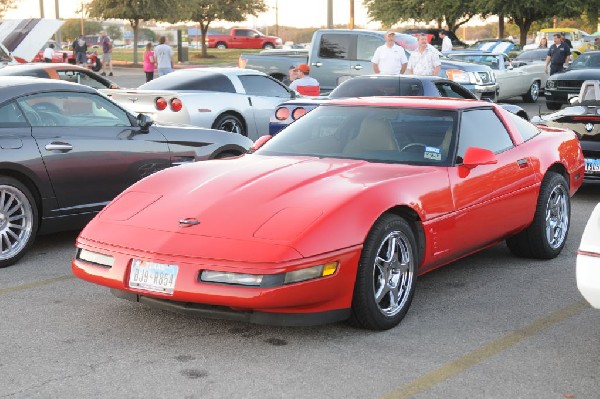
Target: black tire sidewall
(219, 121)
(552, 180)
(365, 312)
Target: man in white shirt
(425, 60)
(305, 84)
(446, 42)
(49, 53)
(389, 58)
(164, 57)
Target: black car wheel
(221, 46)
(553, 105)
(547, 234)
(268, 46)
(97, 66)
(386, 277)
(230, 123)
(18, 220)
(533, 93)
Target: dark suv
(436, 40)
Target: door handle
(59, 146)
(317, 64)
(358, 67)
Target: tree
(389, 12)
(72, 28)
(134, 11)
(114, 32)
(525, 13)
(203, 12)
(6, 5)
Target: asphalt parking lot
(488, 326)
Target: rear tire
(221, 46)
(18, 220)
(230, 123)
(553, 105)
(547, 234)
(268, 46)
(533, 94)
(386, 276)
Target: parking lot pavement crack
(34, 284)
(485, 352)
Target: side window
(482, 128)
(11, 116)
(263, 86)
(72, 109)
(81, 78)
(69, 76)
(366, 46)
(527, 129)
(243, 32)
(452, 90)
(335, 46)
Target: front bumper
(559, 95)
(321, 300)
(484, 92)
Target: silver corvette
(231, 99)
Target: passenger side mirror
(475, 156)
(292, 94)
(144, 122)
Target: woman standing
(149, 62)
(543, 42)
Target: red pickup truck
(243, 38)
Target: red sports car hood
(272, 202)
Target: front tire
(386, 277)
(221, 46)
(533, 94)
(230, 123)
(97, 66)
(18, 220)
(268, 46)
(547, 234)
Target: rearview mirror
(475, 156)
(144, 122)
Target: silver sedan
(231, 99)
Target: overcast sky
(303, 13)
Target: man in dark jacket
(80, 50)
(558, 54)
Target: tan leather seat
(375, 134)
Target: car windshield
(493, 61)
(372, 133)
(587, 60)
(378, 86)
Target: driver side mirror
(260, 142)
(475, 156)
(292, 94)
(144, 122)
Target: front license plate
(592, 166)
(151, 276)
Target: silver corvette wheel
(386, 275)
(557, 217)
(229, 123)
(17, 222)
(392, 277)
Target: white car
(231, 99)
(588, 260)
(513, 80)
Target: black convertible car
(562, 86)
(66, 151)
(378, 85)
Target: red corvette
(335, 217)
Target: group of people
(159, 58)
(390, 58)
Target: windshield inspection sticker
(434, 153)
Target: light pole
(330, 14)
(58, 35)
(41, 8)
(351, 26)
(277, 18)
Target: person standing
(49, 53)
(558, 54)
(425, 60)
(291, 76)
(164, 57)
(305, 84)
(446, 42)
(563, 38)
(389, 58)
(543, 42)
(80, 50)
(106, 54)
(149, 62)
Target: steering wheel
(410, 145)
(47, 119)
